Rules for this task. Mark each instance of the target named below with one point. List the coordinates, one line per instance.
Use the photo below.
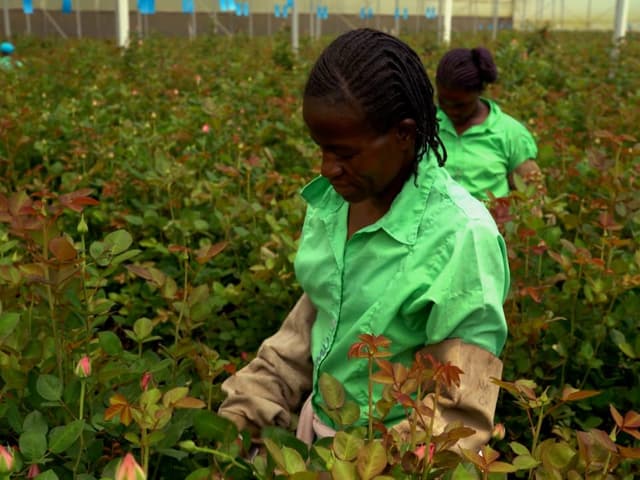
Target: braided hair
(385, 78)
(467, 69)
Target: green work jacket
(434, 267)
(484, 155)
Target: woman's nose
(330, 167)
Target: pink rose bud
(128, 469)
(34, 471)
(206, 128)
(144, 381)
(83, 368)
(7, 460)
(498, 432)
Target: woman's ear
(406, 132)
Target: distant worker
(485, 146)
(7, 61)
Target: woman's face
(459, 105)
(360, 163)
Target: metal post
(311, 22)
(378, 15)
(194, 22)
(5, 16)
(397, 18)
(295, 33)
(269, 24)
(589, 15)
(446, 26)
(78, 20)
(620, 25)
(440, 19)
(122, 22)
(494, 32)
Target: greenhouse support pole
(396, 25)
(446, 27)
(622, 14)
(295, 33)
(494, 32)
(78, 20)
(311, 19)
(5, 16)
(122, 22)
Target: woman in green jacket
(391, 246)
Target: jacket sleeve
(474, 402)
(266, 390)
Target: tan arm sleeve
(266, 390)
(474, 402)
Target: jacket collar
(486, 126)
(403, 219)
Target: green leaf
(8, 322)
(525, 462)
(143, 328)
(283, 437)
(49, 387)
(61, 438)
(173, 395)
(47, 475)
(349, 413)
(96, 250)
(35, 422)
(331, 390)
(33, 445)
(620, 341)
(117, 260)
(501, 467)
(212, 427)
(346, 446)
(110, 343)
(118, 241)
(461, 473)
(200, 474)
(372, 460)
(276, 453)
(344, 470)
(558, 455)
(519, 449)
(293, 461)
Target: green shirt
(433, 267)
(482, 157)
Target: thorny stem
(144, 450)
(83, 390)
(54, 322)
(184, 298)
(370, 431)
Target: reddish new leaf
(205, 254)
(77, 200)
(62, 249)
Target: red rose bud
(83, 368)
(498, 432)
(33, 471)
(7, 460)
(144, 381)
(128, 469)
